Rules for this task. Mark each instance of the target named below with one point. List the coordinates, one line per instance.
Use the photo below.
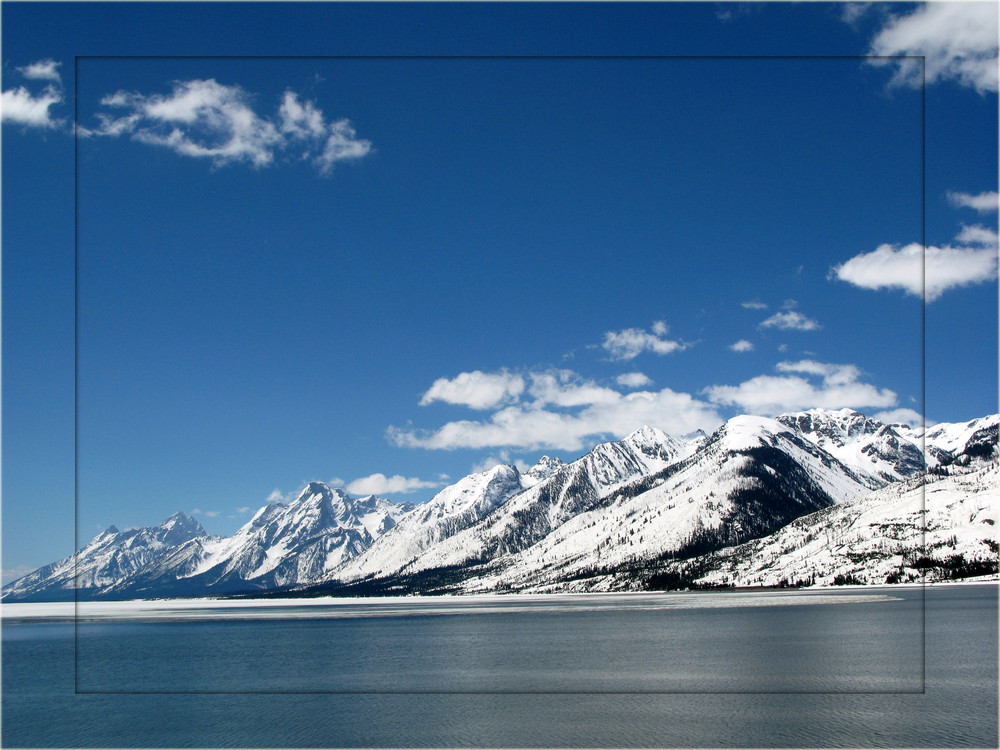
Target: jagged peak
(180, 518)
(546, 464)
(321, 492)
(544, 468)
(316, 488)
(647, 434)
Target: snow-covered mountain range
(813, 497)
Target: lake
(854, 666)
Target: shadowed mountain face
(622, 510)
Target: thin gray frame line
(76, 360)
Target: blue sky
(479, 233)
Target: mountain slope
(749, 478)
(935, 529)
(449, 512)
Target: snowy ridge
(574, 488)
(809, 496)
(874, 449)
(110, 557)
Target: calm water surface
(794, 669)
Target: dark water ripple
(958, 709)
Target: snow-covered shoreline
(336, 607)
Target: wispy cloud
(851, 13)
(631, 342)
(742, 346)
(380, 484)
(955, 41)
(753, 305)
(838, 387)
(927, 271)
(207, 513)
(210, 120)
(790, 320)
(983, 202)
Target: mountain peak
(180, 517)
(315, 488)
(646, 434)
(546, 465)
(180, 527)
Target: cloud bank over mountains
(562, 410)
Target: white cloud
(244, 509)
(43, 70)
(852, 12)
(957, 41)
(532, 427)
(631, 342)
(901, 416)
(276, 496)
(486, 464)
(206, 119)
(978, 235)
(567, 389)
(790, 320)
(21, 107)
(341, 144)
(983, 202)
(633, 379)
(753, 305)
(380, 484)
(831, 374)
(208, 513)
(504, 458)
(742, 346)
(930, 272)
(300, 120)
(770, 394)
(476, 389)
